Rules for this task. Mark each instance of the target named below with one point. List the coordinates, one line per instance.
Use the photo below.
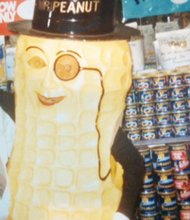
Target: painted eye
(36, 62)
(66, 67)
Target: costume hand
(119, 216)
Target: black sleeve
(132, 163)
(7, 102)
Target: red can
(185, 214)
(182, 185)
(184, 210)
(180, 157)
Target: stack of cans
(158, 106)
(144, 108)
(178, 100)
(131, 119)
(164, 180)
(148, 199)
(181, 167)
(165, 193)
(162, 96)
(145, 96)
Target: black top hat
(74, 18)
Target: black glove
(132, 163)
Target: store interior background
(157, 114)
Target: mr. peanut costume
(71, 159)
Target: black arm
(132, 163)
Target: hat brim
(120, 32)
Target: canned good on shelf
(188, 103)
(186, 76)
(145, 96)
(178, 105)
(170, 216)
(160, 80)
(162, 94)
(188, 91)
(165, 181)
(147, 121)
(182, 180)
(184, 208)
(178, 92)
(145, 153)
(175, 78)
(150, 216)
(148, 133)
(182, 185)
(179, 117)
(161, 160)
(131, 111)
(148, 201)
(131, 98)
(168, 203)
(149, 180)
(184, 214)
(131, 123)
(163, 119)
(188, 120)
(184, 205)
(147, 108)
(142, 81)
(134, 134)
(180, 157)
(180, 130)
(165, 131)
(163, 107)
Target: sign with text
(145, 8)
(173, 48)
(14, 10)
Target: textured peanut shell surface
(67, 114)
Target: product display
(158, 105)
(166, 188)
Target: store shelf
(139, 144)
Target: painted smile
(48, 101)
